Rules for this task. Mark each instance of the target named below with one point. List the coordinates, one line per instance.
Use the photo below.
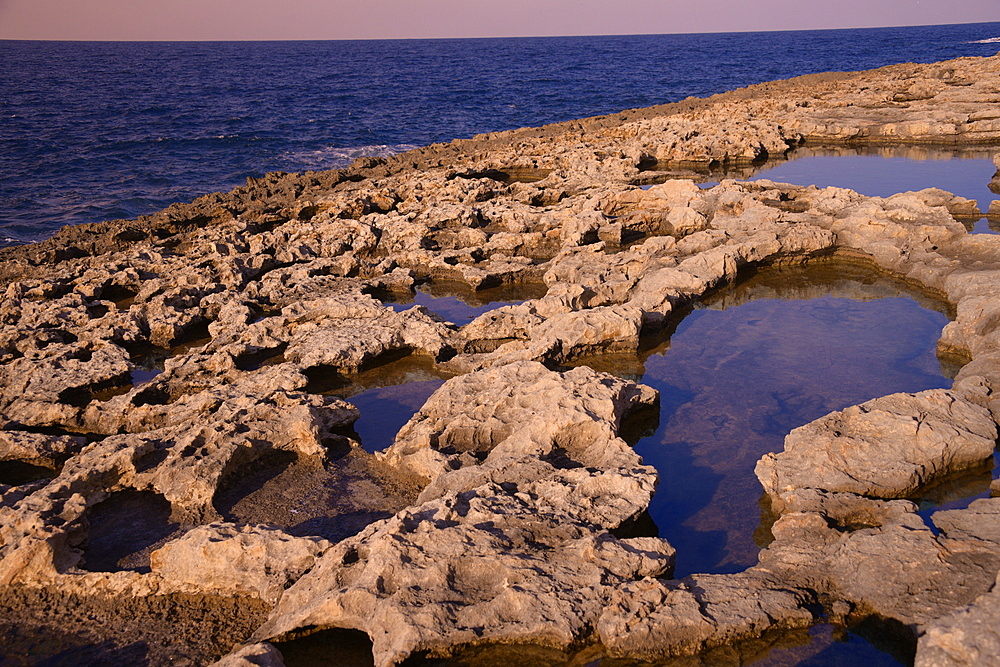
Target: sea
(91, 131)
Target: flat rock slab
(889, 447)
(965, 638)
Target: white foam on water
(991, 40)
(333, 157)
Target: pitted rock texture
(966, 637)
(489, 564)
(166, 410)
(524, 424)
(652, 619)
(510, 541)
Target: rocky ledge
(173, 463)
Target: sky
(388, 19)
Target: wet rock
(966, 637)
(979, 521)
(901, 571)
(881, 558)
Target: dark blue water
(735, 378)
(97, 130)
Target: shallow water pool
(887, 171)
(459, 304)
(751, 363)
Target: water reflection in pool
(387, 396)
(753, 362)
(887, 171)
(391, 393)
(822, 645)
(459, 304)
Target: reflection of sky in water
(384, 410)
(387, 396)
(459, 305)
(878, 176)
(822, 645)
(733, 382)
(142, 375)
(450, 308)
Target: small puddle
(884, 172)
(148, 360)
(458, 304)
(823, 644)
(388, 396)
(754, 361)
(959, 492)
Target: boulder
(889, 447)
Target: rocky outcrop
(169, 436)
(482, 565)
(510, 541)
(248, 560)
(256, 655)
(652, 619)
(890, 447)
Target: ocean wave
(991, 40)
(10, 241)
(333, 157)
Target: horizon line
(388, 39)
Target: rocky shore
(140, 520)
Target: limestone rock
(189, 349)
(47, 388)
(901, 571)
(886, 448)
(521, 409)
(979, 521)
(231, 560)
(255, 655)
(654, 619)
(48, 451)
(484, 565)
(964, 638)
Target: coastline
(510, 493)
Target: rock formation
(159, 374)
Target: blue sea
(91, 131)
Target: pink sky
(382, 19)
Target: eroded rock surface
(966, 637)
(889, 447)
(169, 442)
